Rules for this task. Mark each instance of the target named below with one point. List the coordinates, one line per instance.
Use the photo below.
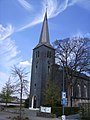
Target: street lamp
(63, 90)
(64, 99)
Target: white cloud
(81, 34)
(3, 78)
(72, 2)
(6, 31)
(84, 3)
(8, 53)
(25, 4)
(54, 7)
(8, 49)
(87, 35)
(37, 20)
(8, 57)
(25, 63)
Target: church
(43, 66)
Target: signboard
(63, 117)
(63, 95)
(64, 101)
(45, 109)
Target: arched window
(36, 67)
(49, 54)
(85, 91)
(78, 91)
(37, 54)
(48, 66)
(48, 69)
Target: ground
(9, 113)
(31, 114)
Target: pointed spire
(44, 37)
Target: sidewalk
(41, 118)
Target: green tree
(21, 85)
(52, 94)
(7, 92)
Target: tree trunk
(21, 101)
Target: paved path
(31, 114)
(41, 118)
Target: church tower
(43, 59)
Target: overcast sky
(21, 22)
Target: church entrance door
(35, 100)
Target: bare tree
(74, 55)
(21, 86)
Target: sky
(21, 23)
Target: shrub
(67, 110)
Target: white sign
(63, 94)
(63, 117)
(45, 109)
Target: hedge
(67, 110)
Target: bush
(85, 118)
(85, 111)
(67, 110)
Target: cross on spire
(44, 37)
(46, 5)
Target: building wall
(77, 89)
(81, 90)
(43, 58)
